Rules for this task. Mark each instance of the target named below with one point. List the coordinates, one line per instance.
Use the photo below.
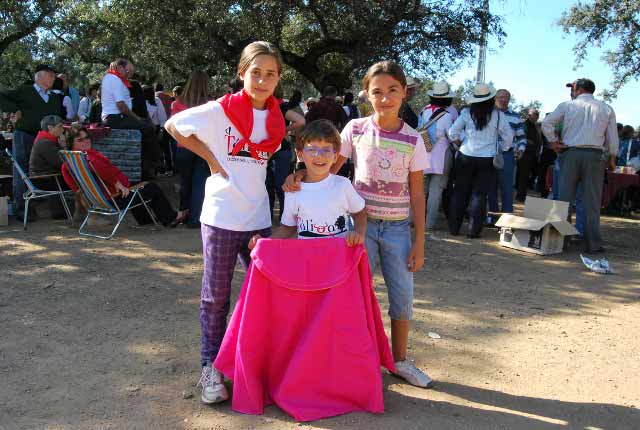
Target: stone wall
(122, 148)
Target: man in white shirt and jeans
(589, 137)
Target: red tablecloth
(615, 182)
(96, 132)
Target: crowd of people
(369, 168)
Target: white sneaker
(410, 373)
(213, 389)
(433, 237)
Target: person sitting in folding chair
(117, 183)
(45, 162)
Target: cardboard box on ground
(541, 230)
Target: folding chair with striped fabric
(97, 195)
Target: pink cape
(306, 333)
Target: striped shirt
(519, 142)
(586, 123)
(382, 161)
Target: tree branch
(14, 37)
(84, 57)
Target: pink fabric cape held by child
(306, 332)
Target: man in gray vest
(30, 103)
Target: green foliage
(604, 20)
(322, 42)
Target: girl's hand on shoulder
(292, 183)
(254, 241)
(354, 238)
(416, 257)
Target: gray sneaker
(410, 373)
(213, 389)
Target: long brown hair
(196, 91)
(384, 68)
(252, 50)
(481, 112)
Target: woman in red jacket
(117, 182)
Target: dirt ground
(104, 335)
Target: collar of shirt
(43, 93)
(585, 96)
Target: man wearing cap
(30, 103)
(514, 150)
(588, 138)
(406, 113)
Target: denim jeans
(504, 182)
(21, 150)
(194, 172)
(281, 168)
(391, 241)
(433, 187)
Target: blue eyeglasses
(314, 151)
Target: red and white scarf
(124, 80)
(238, 108)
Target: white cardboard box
(541, 230)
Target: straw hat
(481, 92)
(441, 90)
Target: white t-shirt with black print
(321, 209)
(239, 202)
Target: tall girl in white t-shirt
(235, 135)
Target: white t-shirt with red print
(239, 202)
(321, 209)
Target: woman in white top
(474, 172)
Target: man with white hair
(117, 112)
(30, 103)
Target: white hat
(441, 90)
(481, 93)
(411, 83)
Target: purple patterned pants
(221, 249)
